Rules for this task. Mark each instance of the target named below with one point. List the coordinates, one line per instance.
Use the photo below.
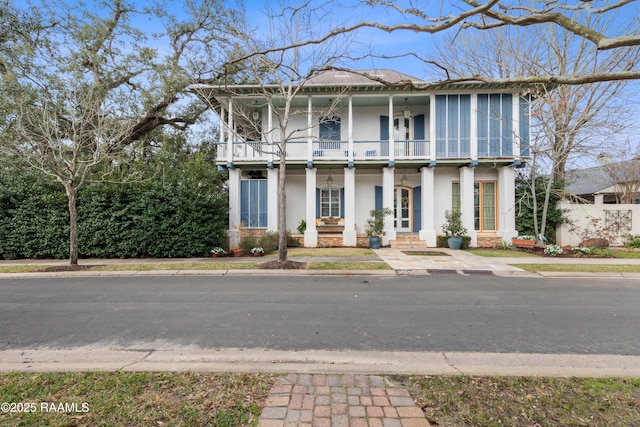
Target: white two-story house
(418, 152)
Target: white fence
(621, 219)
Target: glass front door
(402, 211)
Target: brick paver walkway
(339, 401)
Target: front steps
(407, 241)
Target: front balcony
(304, 152)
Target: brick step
(407, 244)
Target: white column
(349, 235)
(432, 127)
(598, 199)
(270, 134)
(309, 131)
(392, 142)
(467, 204)
(311, 233)
(428, 232)
(234, 208)
(272, 199)
(230, 134)
(350, 130)
(474, 127)
(388, 188)
(506, 204)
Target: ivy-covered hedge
(135, 220)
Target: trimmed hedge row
(124, 221)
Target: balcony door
(403, 209)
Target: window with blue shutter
(253, 203)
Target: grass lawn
(299, 252)
(502, 253)
(527, 401)
(373, 265)
(587, 268)
(230, 400)
(222, 265)
(138, 398)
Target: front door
(403, 209)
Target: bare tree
(80, 96)
(279, 79)
(491, 14)
(625, 174)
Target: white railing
(325, 150)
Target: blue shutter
(244, 202)
(378, 201)
(317, 203)
(507, 124)
(384, 128)
(453, 123)
(418, 127)
(441, 125)
(342, 202)
(263, 202)
(417, 209)
(483, 131)
(494, 125)
(465, 125)
(524, 126)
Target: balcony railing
(325, 150)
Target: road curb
(153, 358)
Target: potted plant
(453, 228)
(257, 251)
(375, 226)
(218, 252)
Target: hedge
(114, 221)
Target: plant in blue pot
(453, 228)
(375, 226)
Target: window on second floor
(495, 125)
(453, 126)
(329, 132)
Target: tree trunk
(282, 209)
(73, 224)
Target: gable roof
(596, 179)
(359, 78)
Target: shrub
(553, 250)
(632, 242)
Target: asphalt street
(411, 313)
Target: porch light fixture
(404, 180)
(255, 115)
(330, 181)
(407, 111)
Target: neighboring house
(419, 153)
(609, 183)
(601, 201)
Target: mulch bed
(286, 265)
(62, 268)
(567, 253)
